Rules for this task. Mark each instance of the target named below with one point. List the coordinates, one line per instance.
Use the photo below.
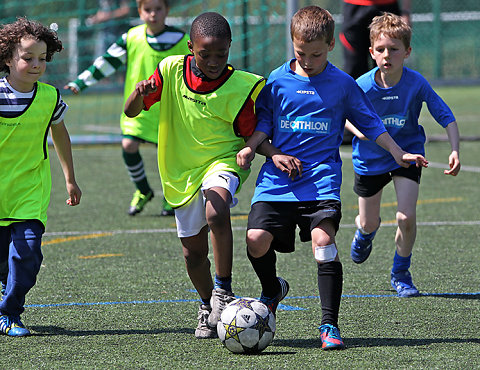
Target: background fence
(445, 43)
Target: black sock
(330, 281)
(267, 273)
(136, 171)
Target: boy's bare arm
(454, 157)
(350, 127)
(134, 104)
(63, 147)
(401, 157)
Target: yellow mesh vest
(142, 60)
(196, 136)
(25, 180)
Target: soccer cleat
(138, 202)
(4, 288)
(167, 209)
(402, 282)
(12, 326)
(220, 298)
(330, 337)
(272, 303)
(361, 246)
(203, 331)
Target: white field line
(237, 228)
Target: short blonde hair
(140, 3)
(390, 25)
(312, 23)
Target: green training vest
(142, 60)
(196, 136)
(25, 179)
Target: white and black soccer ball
(246, 326)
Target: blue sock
(223, 283)
(401, 263)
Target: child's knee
(406, 221)
(258, 242)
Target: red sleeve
(152, 98)
(246, 121)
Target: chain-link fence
(445, 43)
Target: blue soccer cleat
(361, 246)
(12, 326)
(272, 303)
(402, 282)
(330, 337)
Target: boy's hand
(288, 164)
(245, 157)
(406, 159)
(146, 87)
(74, 194)
(71, 88)
(454, 163)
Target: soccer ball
(246, 326)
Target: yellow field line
(80, 237)
(104, 255)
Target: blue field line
(280, 306)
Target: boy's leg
(407, 195)
(368, 222)
(136, 170)
(25, 258)
(192, 229)
(217, 210)
(5, 237)
(330, 281)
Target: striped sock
(136, 171)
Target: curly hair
(12, 33)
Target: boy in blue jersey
(397, 93)
(302, 110)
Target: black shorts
(367, 186)
(281, 219)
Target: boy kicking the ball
(302, 110)
(206, 108)
(397, 94)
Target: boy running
(141, 48)
(28, 109)
(397, 94)
(206, 108)
(302, 110)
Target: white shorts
(191, 217)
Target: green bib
(196, 136)
(142, 60)
(25, 180)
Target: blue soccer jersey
(399, 108)
(305, 117)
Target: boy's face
(311, 57)
(153, 13)
(389, 54)
(211, 54)
(28, 64)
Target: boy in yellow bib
(140, 49)
(206, 109)
(28, 110)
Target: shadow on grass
(56, 330)
(370, 342)
(454, 295)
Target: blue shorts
(281, 219)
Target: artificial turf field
(113, 291)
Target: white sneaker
(203, 331)
(220, 298)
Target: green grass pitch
(113, 291)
